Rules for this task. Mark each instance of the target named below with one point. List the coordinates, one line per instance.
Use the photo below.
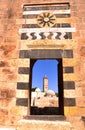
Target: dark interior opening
(59, 110)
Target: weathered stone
(19, 111)
(22, 94)
(71, 77)
(82, 51)
(40, 125)
(7, 48)
(3, 63)
(22, 77)
(3, 112)
(15, 56)
(7, 93)
(69, 93)
(80, 101)
(24, 62)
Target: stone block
(11, 54)
(12, 62)
(8, 78)
(82, 51)
(23, 86)
(19, 110)
(67, 111)
(69, 93)
(68, 85)
(74, 111)
(7, 93)
(24, 62)
(3, 63)
(71, 61)
(22, 94)
(78, 124)
(69, 102)
(23, 77)
(45, 44)
(71, 77)
(4, 120)
(3, 112)
(78, 92)
(23, 70)
(9, 70)
(7, 102)
(80, 101)
(78, 111)
(22, 102)
(68, 69)
(76, 34)
(43, 125)
(7, 85)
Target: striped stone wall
(22, 93)
(46, 40)
(23, 36)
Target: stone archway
(39, 42)
(48, 54)
(58, 110)
(27, 59)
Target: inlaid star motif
(46, 19)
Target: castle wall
(15, 60)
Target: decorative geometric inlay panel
(48, 35)
(46, 19)
(43, 22)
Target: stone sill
(46, 117)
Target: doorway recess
(47, 100)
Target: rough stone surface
(42, 125)
(10, 47)
(76, 122)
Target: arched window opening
(45, 90)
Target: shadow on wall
(44, 111)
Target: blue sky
(48, 68)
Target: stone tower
(45, 84)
